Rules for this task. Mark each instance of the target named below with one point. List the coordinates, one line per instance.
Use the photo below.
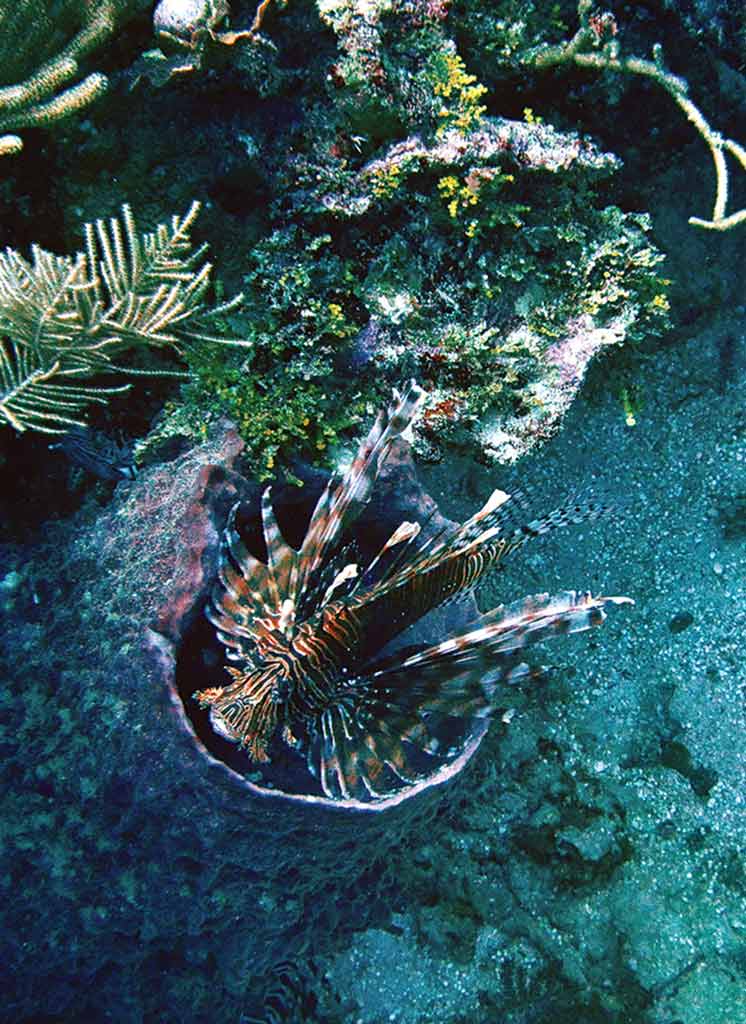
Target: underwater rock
(680, 621)
(181, 18)
(507, 438)
(533, 147)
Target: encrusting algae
(308, 631)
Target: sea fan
(308, 631)
(64, 319)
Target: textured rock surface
(180, 17)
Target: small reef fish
(306, 630)
(96, 454)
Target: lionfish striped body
(307, 629)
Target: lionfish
(307, 630)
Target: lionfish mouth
(309, 634)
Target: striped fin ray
(386, 742)
(401, 539)
(243, 604)
(502, 521)
(342, 501)
(282, 569)
(328, 582)
(356, 760)
(461, 675)
(455, 563)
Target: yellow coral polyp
(463, 90)
(448, 186)
(386, 180)
(473, 94)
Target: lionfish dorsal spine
(459, 559)
(282, 569)
(342, 500)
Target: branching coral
(595, 45)
(64, 318)
(41, 46)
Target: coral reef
(434, 189)
(382, 225)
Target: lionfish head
(305, 631)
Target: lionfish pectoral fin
(465, 675)
(355, 761)
(328, 758)
(526, 622)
